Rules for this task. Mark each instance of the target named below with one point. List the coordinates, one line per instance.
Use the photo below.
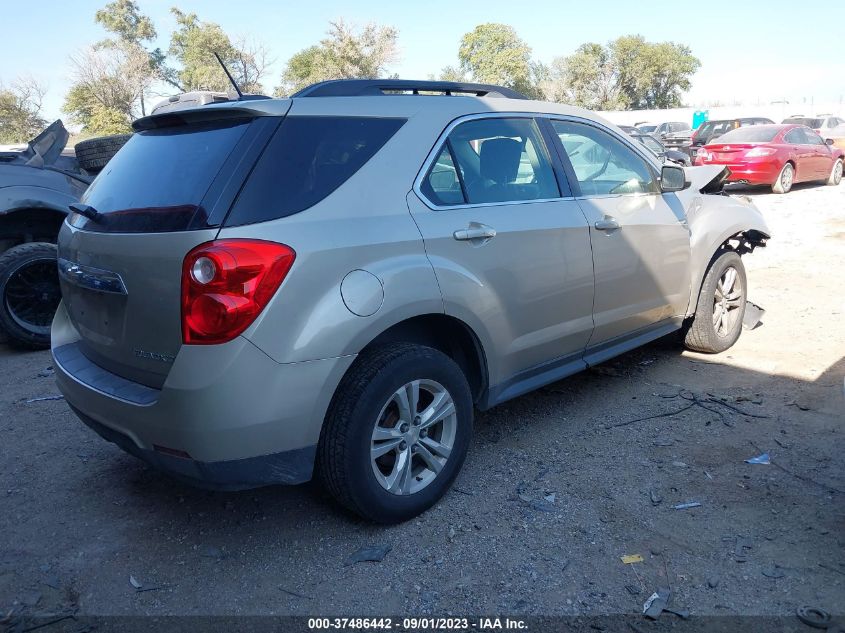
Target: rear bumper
(288, 467)
(227, 415)
(763, 173)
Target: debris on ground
(656, 603)
(763, 458)
(773, 572)
(627, 559)
(655, 496)
(369, 553)
(813, 616)
(44, 399)
(689, 504)
(134, 582)
(210, 551)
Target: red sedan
(775, 155)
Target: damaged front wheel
(717, 322)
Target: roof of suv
(379, 98)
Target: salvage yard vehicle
(656, 146)
(775, 155)
(260, 290)
(821, 124)
(37, 183)
(709, 131)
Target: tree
(194, 43)
(494, 53)
(653, 75)
(627, 73)
(107, 87)
(132, 29)
(345, 53)
(20, 110)
(587, 79)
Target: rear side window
(306, 160)
(157, 181)
(497, 160)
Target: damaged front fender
(717, 222)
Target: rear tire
(835, 173)
(785, 179)
(29, 294)
(717, 322)
(366, 441)
(93, 154)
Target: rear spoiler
(211, 112)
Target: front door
(640, 237)
(511, 254)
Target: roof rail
(377, 87)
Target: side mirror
(673, 178)
(828, 141)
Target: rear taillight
(703, 154)
(760, 151)
(226, 284)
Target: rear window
(157, 181)
(307, 159)
(750, 134)
(808, 121)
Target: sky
(751, 51)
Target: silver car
(258, 291)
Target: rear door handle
(607, 223)
(475, 232)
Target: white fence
(777, 112)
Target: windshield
(809, 122)
(157, 181)
(751, 134)
(648, 129)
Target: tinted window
(158, 179)
(500, 160)
(750, 134)
(442, 185)
(647, 129)
(603, 164)
(306, 160)
(714, 129)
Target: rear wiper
(87, 210)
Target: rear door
(164, 193)
(640, 237)
(511, 251)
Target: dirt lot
(558, 485)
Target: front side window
(491, 160)
(603, 165)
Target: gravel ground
(559, 484)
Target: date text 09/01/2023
(417, 624)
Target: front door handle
(474, 233)
(607, 223)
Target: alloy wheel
(727, 302)
(413, 437)
(786, 177)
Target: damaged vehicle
(258, 292)
(37, 183)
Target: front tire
(29, 294)
(835, 173)
(717, 322)
(396, 433)
(786, 179)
